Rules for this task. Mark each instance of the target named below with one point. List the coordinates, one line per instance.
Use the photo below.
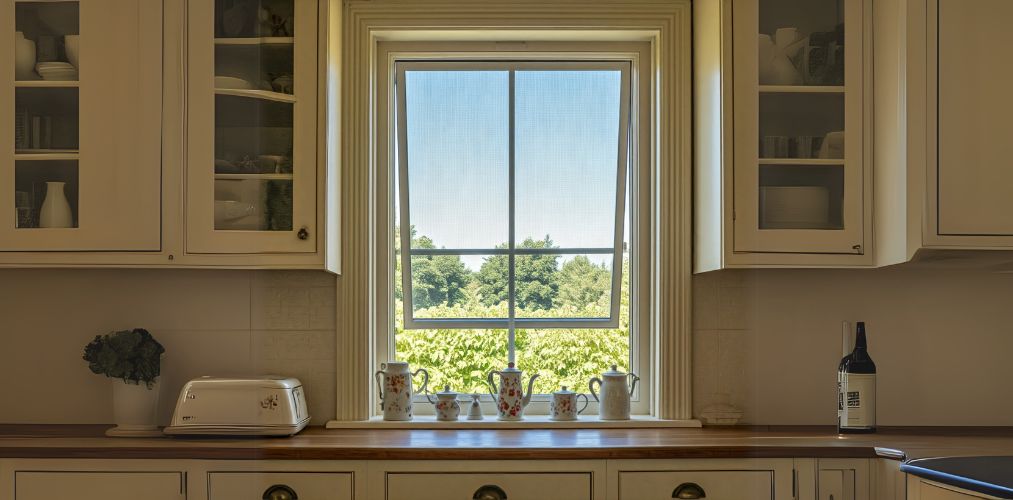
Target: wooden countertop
(88, 441)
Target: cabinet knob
(489, 492)
(280, 492)
(688, 491)
(303, 233)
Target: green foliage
(582, 282)
(535, 278)
(131, 355)
(436, 279)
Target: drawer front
(713, 485)
(930, 491)
(302, 485)
(514, 486)
(98, 485)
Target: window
(512, 221)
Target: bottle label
(857, 400)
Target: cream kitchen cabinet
(745, 479)
(923, 489)
(783, 164)
(96, 485)
(80, 142)
(275, 485)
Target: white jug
(615, 394)
(396, 389)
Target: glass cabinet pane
(801, 197)
(254, 105)
(801, 42)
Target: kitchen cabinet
(842, 480)
(744, 479)
(308, 485)
(94, 485)
(80, 144)
(922, 489)
(252, 167)
(783, 173)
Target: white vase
(56, 210)
(135, 409)
(24, 59)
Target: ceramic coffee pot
(615, 394)
(510, 397)
(446, 404)
(396, 389)
(564, 405)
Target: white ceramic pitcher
(615, 394)
(396, 389)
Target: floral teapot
(396, 389)
(510, 397)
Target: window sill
(529, 422)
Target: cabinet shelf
(801, 89)
(801, 161)
(264, 95)
(45, 154)
(261, 177)
(272, 40)
(47, 83)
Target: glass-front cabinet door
(798, 156)
(80, 153)
(251, 163)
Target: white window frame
(357, 29)
(499, 63)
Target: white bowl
(231, 82)
(73, 47)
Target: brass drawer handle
(689, 491)
(489, 492)
(280, 492)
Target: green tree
(535, 277)
(436, 279)
(582, 282)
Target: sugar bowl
(446, 404)
(564, 405)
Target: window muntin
(566, 123)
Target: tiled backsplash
(210, 322)
(766, 341)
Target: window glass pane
(571, 356)
(458, 134)
(460, 358)
(564, 286)
(567, 149)
(448, 286)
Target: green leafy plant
(133, 356)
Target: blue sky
(566, 150)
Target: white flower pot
(135, 409)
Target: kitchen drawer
(98, 485)
(515, 486)
(303, 485)
(717, 485)
(929, 491)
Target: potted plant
(132, 358)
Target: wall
(210, 322)
(769, 341)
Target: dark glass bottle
(857, 389)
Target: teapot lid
(446, 393)
(563, 390)
(510, 368)
(613, 372)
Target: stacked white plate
(56, 70)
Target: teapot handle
(429, 397)
(587, 401)
(379, 386)
(591, 386)
(633, 385)
(492, 384)
(425, 380)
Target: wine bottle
(857, 396)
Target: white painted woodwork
(99, 485)
(742, 485)
(254, 484)
(831, 485)
(408, 486)
(975, 164)
(119, 109)
(665, 25)
(201, 235)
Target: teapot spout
(527, 396)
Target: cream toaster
(256, 406)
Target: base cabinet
(272, 485)
(743, 485)
(94, 485)
(922, 489)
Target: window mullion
(511, 239)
